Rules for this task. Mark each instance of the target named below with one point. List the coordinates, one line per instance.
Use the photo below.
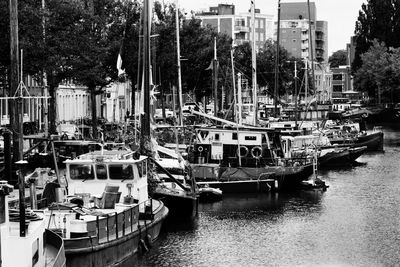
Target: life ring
(256, 152)
(239, 151)
(200, 148)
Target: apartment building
(238, 26)
(295, 31)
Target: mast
(178, 53)
(234, 102)
(215, 78)
(311, 45)
(14, 77)
(276, 86)
(145, 141)
(254, 63)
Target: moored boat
(39, 246)
(255, 153)
(209, 194)
(109, 215)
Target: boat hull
(251, 180)
(83, 252)
(343, 156)
(179, 205)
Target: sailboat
(176, 186)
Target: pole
(306, 86)
(234, 100)
(295, 93)
(239, 97)
(14, 75)
(44, 81)
(21, 115)
(145, 123)
(311, 45)
(254, 64)
(21, 189)
(178, 53)
(215, 78)
(276, 87)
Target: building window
(294, 31)
(337, 77)
(337, 88)
(261, 36)
(261, 23)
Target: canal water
(356, 222)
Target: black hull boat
(209, 194)
(246, 159)
(252, 179)
(340, 156)
(180, 204)
(373, 141)
(176, 187)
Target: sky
(340, 14)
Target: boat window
(101, 171)
(250, 138)
(216, 137)
(234, 136)
(140, 169)
(120, 171)
(81, 172)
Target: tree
(379, 74)
(378, 19)
(338, 58)
(98, 38)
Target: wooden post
(14, 74)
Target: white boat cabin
(92, 172)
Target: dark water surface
(356, 222)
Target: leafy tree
(378, 19)
(379, 74)
(338, 58)
(266, 66)
(98, 38)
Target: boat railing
(113, 226)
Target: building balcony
(242, 29)
(304, 46)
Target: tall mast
(254, 63)
(276, 86)
(145, 124)
(178, 52)
(14, 77)
(311, 45)
(215, 78)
